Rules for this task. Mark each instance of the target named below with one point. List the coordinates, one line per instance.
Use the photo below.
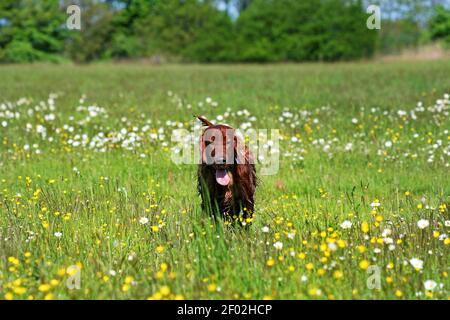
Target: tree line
(212, 30)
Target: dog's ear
(205, 121)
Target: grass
(129, 219)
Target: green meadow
(93, 207)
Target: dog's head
(221, 150)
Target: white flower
(58, 234)
(346, 224)
(291, 235)
(278, 245)
(422, 223)
(388, 144)
(447, 223)
(143, 220)
(332, 246)
(430, 285)
(112, 273)
(349, 146)
(354, 121)
(265, 229)
(416, 263)
(375, 204)
(386, 232)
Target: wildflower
(346, 224)
(165, 290)
(416, 263)
(365, 227)
(422, 223)
(364, 264)
(430, 285)
(58, 234)
(143, 220)
(159, 249)
(44, 287)
(270, 262)
(265, 229)
(212, 287)
(278, 245)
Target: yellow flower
(361, 248)
(365, 227)
(364, 264)
(9, 296)
(338, 274)
(49, 296)
(159, 249)
(54, 282)
(129, 279)
(270, 262)
(44, 287)
(309, 266)
(313, 292)
(212, 287)
(301, 255)
(341, 243)
(389, 280)
(436, 234)
(398, 293)
(13, 260)
(163, 266)
(125, 287)
(155, 228)
(165, 290)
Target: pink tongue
(222, 177)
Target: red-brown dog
(226, 175)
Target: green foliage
(398, 34)
(198, 31)
(303, 30)
(95, 36)
(31, 30)
(440, 25)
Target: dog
(226, 175)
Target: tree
(31, 31)
(439, 25)
(279, 30)
(96, 33)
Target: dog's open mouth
(222, 177)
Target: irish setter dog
(226, 174)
